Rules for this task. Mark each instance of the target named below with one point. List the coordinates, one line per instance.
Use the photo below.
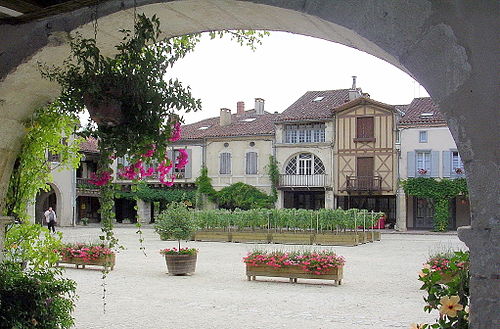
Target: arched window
(305, 164)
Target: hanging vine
(440, 192)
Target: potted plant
(177, 223)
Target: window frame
(427, 159)
(228, 163)
(422, 133)
(247, 163)
(361, 136)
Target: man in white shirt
(51, 219)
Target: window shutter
(446, 163)
(225, 163)
(364, 127)
(170, 155)
(188, 169)
(434, 164)
(410, 166)
(251, 163)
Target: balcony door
(364, 171)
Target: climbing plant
(274, 176)
(440, 192)
(48, 130)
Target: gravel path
(380, 287)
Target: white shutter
(225, 163)
(410, 157)
(434, 164)
(446, 163)
(251, 163)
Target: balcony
(84, 188)
(303, 180)
(363, 183)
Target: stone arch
(46, 199)
(449, 47)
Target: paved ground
(380, 288)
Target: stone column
(3, 223)
(329, 199)
(400, 210)
(143, 212)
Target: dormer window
(249, 119)
(318, 99)
(426, 115)
(204, 128)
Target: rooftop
(422, 112)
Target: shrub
(243, 196)
(446, 278)
(39, 299)
(32, 244)
(176, 222)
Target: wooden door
(364, 171)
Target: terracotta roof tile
(89, 145)
(306, 108)
(413, 114)
(248, 124)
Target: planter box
(107, 262)
(293, 273)
(293, 238)
(371, 236)
(256, 237)
(181, 264)
(342, 239)
(217, 236)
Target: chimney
(240, 108)
(354, 92)
(259, 106)
(225, 117)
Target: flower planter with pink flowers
(323, 265)
(82, 255)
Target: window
(398, 136)
(251, 163)
(422, 136)
(309, 133)
(457, 166)
(364, 128)
(305, 164)
(423, 163)
(179, 173)
(225, 163)
(53, 157)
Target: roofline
(418, 125)
(224, 136)
(330, 118)
(363, 101)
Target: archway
(449, 47)
(44, 200)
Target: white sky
(221, 72)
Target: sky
(221, 72)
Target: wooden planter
(293, 238)
(342, 239)
(255, 237)
(107, 261)
(217, 236)
(181, 264)
(293, 273)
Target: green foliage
(274, 176)
(286, 219)
(443, 276)
(31, 299)
(167, 195)
(32, 170)
(33, 244)
(243, 196)
(440, 192)
(204, 185)
(176, 222)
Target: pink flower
(176, 132)
(182, 159)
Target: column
(4, 220)
(400, 210)
(143, 212)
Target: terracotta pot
(107, 111)
(181, 264)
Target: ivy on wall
(440, 192)
(148, 194)
(274, 176)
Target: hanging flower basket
(106, 111)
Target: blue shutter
(189, 166)
(434, 164)
(410, 165)
(446, 163)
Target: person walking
(51, 219)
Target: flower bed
(82, 254)
(323, 265)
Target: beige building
(428, 150)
